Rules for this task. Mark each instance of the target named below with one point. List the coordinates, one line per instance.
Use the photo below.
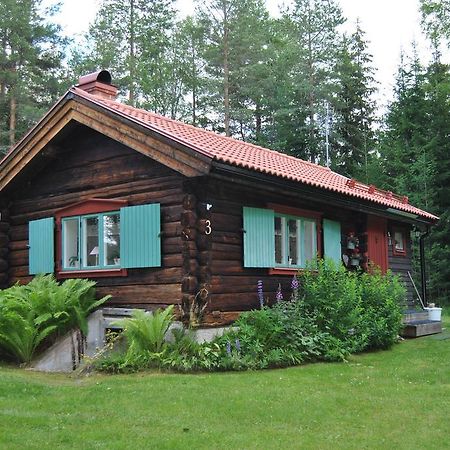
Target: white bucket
(434, 313)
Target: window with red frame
(398, 242)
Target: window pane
(90, 242)
(278, 241)
(293, 241)
(309, 241)
(398, 237)
(71, 258)
(111, 240)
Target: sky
(390, 26)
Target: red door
(377, 246)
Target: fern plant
(43, 309)
(145, 333)
(22, 335)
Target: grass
(394, 399)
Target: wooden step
(414, 315)
(418, 328)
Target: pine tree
(311, 28)
(189, 39)
(436, 19)
(414, 154)
(132, 39)
(30, 59)
(438, 149)
(354, 108)
(236, 63)
(407, 165)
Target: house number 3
(208, 228)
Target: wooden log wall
(233, 288)
(92, 166)
(4, 243)
(402, 264)
(196, 233)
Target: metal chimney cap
(102, 76)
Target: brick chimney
(99, 84)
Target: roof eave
(324, 195)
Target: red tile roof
(242, 154)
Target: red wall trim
(91, 273)
(91, 206)
(282, 209)
(395, 251)
(288, 271)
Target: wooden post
(196, 236)
(189, 282)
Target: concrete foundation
(68, 352)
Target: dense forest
(295, 83)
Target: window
(284, 238)
(96, 238)
(399, 242)
(295, 240)
(91, 241)
(287, 238)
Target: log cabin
(159, 212)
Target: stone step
(418, 328)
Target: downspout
(423, 265)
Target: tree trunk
(258, 121)
(311, 98)
(12, 119)
(194, 85)
(226, 72)
(131, 95)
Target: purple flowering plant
(294, 287)
(260, 294)
(279, 296)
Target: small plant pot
(354, 262)
(434, 313)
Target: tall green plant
(21, 335)
(32, 313)
(382, 296)
(145, 332)
(332, 295)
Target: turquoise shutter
(259, 237)
(41, 246)
(140, 242)
(332, 240)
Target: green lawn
(397, 399)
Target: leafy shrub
(332, 295)
(381, 296)
(331, 314)
(185, 354)
(32, 314)
(360, 310)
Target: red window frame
(395, 251)
(298, 212)
(90, 206)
